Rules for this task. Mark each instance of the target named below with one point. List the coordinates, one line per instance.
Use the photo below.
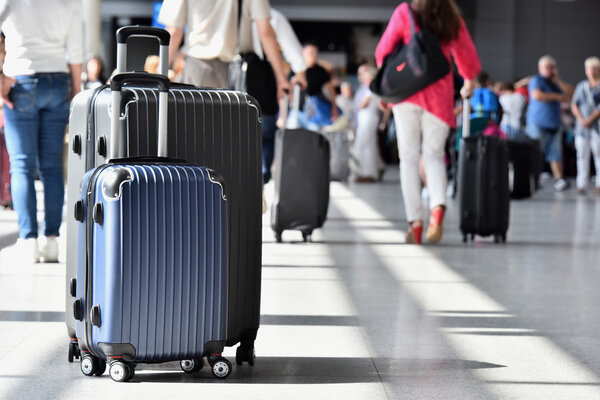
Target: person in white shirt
(585, 106)
(513, 110)
(213, 38)
(265, 90)
(365, 146)
(40, 75)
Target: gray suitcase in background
(219, 129)
(339, 143)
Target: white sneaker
(28, 248)
(49, 251)
(561, 185)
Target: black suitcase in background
(522, 181)
(483, 193)
(302, 174)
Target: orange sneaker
(414, 234)
(435, 230)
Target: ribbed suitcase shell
(302, 174)
(483, 186)
(216, 128)
(156, 262)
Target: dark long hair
(441, 17)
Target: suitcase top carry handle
(118, 143)
(126, 32)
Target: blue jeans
(269, 127)
(550, 139)
(35, 130)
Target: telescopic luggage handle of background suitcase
(116, 318)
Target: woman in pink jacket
(423, 120)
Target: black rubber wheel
(278, 237)
(221, 368)
(191, 366)
(504, 238)
(465, 238)
(239, 357)
(74, 352)
(89, 365)
(119, 371)
(131, 373)
(101, 368)
(245, 353)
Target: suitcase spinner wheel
(220, 366)
(121, 371)
(91, 365)
(74, 352)
(191, 366)
(245, 353)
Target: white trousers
(585, 147)
(420, 134)
(365, 146)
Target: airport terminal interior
(356, 312)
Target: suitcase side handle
(117, 137)
(161, 35)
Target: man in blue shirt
(546, 92)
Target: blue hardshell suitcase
(152, 271)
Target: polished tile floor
(357, 314)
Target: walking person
(586, 109)
(546, 92)
(366, 148)
(40, 75)
(215, 32)
(423, 120)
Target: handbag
(411, 67)
(251, 74)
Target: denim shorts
(550, 139)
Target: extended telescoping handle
(117, 138)
(294, 122)
(126, 32)
(466, 119)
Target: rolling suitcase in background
(151, 282)
(522, 180)
(302, 170)
(484, 198)
(339, 145)
(219, 129)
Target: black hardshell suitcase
(219, 129)
(302, 175)
(483, 192)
